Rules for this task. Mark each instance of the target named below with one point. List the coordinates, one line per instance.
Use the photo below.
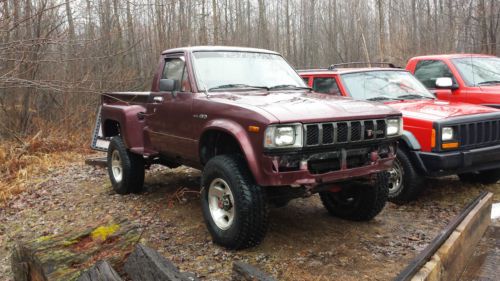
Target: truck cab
(260, 136)
(440, 137)
(469, 78)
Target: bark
(246, 272)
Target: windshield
(384, 85)
(222, 70)
(479, 71)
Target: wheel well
(111, 128)
(215, 143)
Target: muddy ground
(303, 241)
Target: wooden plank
(101, 271)
(97, 161)
(146, 264)
(246, 272)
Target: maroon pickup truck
(247, 120)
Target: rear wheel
(125, 169)
(358, 202)
(406, 183)
(484, 177)
(234, 207)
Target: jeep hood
(293, 106)
(434, 110)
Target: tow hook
(374, 156)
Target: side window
(175, 68)
(326, 85)
(427, 71)
(306, 80)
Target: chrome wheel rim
(221, 203)
(395, 178)
(116, 166)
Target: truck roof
(451, 56)
(345, 70)
(218, 48)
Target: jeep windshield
(384, 85)
(224, 70)
(479, 71)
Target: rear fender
(129, 120)
(240, 134)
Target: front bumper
(319, 168)
(457, 162)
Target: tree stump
(145, 264)
(66, 256)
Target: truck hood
(434, 110)
(293, 106)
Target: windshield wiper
(380, 98)
(285, 86)
(489, 82)
(414, 96)
(236, 86)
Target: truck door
(428, 71)
(170, 113)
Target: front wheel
(406, 183)
(125, 169)
(234, 207)
(358, 202)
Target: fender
(240, 134)
(410, 140)
(131, 126)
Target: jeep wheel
(406, 183)
(358, 202)
(234, 208)
(484, 177)
(125, 169)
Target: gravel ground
(303, 241)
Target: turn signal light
(433, 138)
(253, 129)
(450, 145)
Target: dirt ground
(303, 241)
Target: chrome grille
(344, 132)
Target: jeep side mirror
(445, 83)
(167, 85)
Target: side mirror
(167, 85)
(445, 83)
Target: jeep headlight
(283, 136)
(394, 127)
(447, 134)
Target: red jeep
(439, 138)
(461, 77)
(259, 134)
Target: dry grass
(24, 161)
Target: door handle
(158, 99)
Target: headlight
(283, 136)
(447, 134)
(394, 127)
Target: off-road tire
(484, 177)
(368, 199)
(132, 165)
(413, 182)
(250, 221)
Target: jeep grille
(478, 133)
(344, 132)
